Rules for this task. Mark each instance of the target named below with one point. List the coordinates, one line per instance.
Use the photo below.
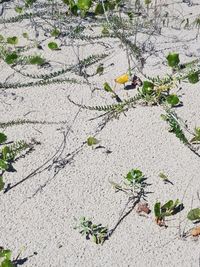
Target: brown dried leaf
(195, 231)
(143, 207)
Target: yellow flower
(122, 79)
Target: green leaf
(92, 141)
(100, 69)
(134, 176)
(5, 253)
(173, 100)
(1, 185)
(12, 40)
(25, 35)
(173, 59)
(55, 32)
(11, 58)
(194, 214)
(7, 153)
(3, 165)
(147, 88)
(19, 9)
(147, 2)
(3, 138)
(157, 210)
(53, 46)
(105, 31)
(36, 60)
(167, 206)
(107, 87)
(193, 77)
(74, 10)
(7, 263)
(84, 4)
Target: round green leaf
(193, 77)
(11, 58)
(19, 9)
(36, 60)
(173, 59)
(92, 141)
(147, 88)
(194, 214)
(53, 46)
(173, 100)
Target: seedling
(53, 46)
(165, 178)
(172, 100)
(96, 232)
(134, 187)
(193, 77)
(91, 141)
(173, 60)
(169, 208)
(109, 89)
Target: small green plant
(53, 46)
(165, 178)
(5, 258)
(169, 208)
(193, 77)
(96, 232)
(172, 100)
(173, 60)
(91, 141)
(11, 58)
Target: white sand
(38, 214)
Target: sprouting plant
(173, 60)
(53, 46)
(169, 208)
(133, 186)
(92, 141)
(165, 178)
(96, 232)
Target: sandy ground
(38, 214)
